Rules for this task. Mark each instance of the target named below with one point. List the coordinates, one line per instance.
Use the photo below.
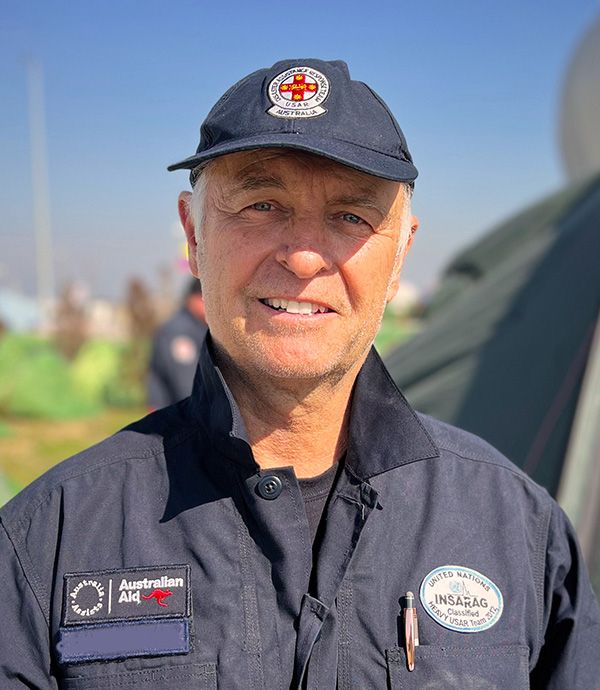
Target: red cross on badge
(298, 87)
(298, 92)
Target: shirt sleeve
(24, 634)
(570, 655)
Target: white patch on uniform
(184, 350)
(461, 599)
(298, 92)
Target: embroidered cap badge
(298, 92)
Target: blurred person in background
(175, 350)
(284, 525)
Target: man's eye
(351, 218)
(262, 206)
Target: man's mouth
(293, 307)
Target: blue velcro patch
(120, 640)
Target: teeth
(293, 307)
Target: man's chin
(303, 365)
(293, 359)
(295, 368)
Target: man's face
(298, 258)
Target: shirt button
(270, 487)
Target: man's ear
(395, 282)
(187, 222)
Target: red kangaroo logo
(159, 595)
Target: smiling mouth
(293, 307)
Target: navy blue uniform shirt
(175, 351)
(165, 558)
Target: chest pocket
(460, 668)
(196, 676)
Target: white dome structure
(580, 108)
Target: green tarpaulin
(508, 333)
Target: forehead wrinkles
(298, 171)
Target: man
(175, 350)
(282, 526)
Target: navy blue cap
(311, 105)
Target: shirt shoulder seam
(19, 558)
(477, 458)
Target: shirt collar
(384, 430)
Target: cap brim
(347, 153)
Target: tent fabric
(580, 108)
(507, 335)
(579, 490)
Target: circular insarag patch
(461, 599)
(298, 92)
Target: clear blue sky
(475, 86)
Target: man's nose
(305, 253)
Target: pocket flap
(461, 668)
(202, 676)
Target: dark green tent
(508, 334)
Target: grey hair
(405, 226)
(200, 177)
